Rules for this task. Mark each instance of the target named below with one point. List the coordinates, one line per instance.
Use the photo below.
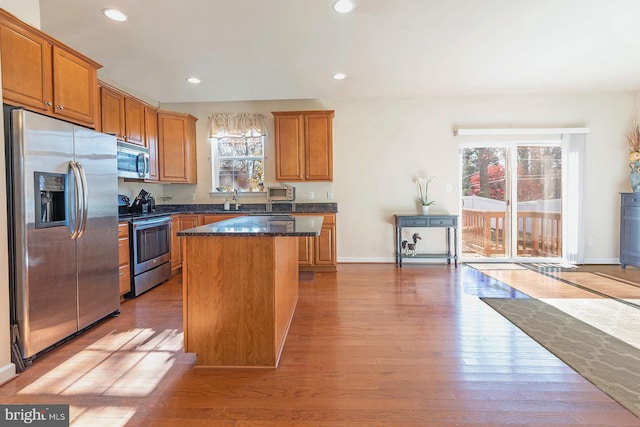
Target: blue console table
(449, 222)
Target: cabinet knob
(48, 103)
(60, 107)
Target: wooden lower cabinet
(211, 218)
(182, 222)
(179, 223)
(319, 253)
(314, 253)
(123, 256)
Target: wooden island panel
(240, 295)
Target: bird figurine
(412, 246)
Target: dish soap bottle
(227, 205)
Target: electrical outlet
(192, 196)
(311, 195)
(330, 195)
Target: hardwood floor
(369, 345)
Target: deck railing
(539, 233)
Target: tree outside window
(238, 163)
(237, 152)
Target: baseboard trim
(602, 261)
(374, 260)
(7, 373)
(392, 260)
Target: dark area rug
(609, 363)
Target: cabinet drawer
(414, 222)
(123, 229)
(125, 279)
(631, 199)
(123, 251)
(442, 222)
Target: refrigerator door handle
(85, 200)
(76, 193)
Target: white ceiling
(288, 49)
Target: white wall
(380, 145)
(26, 10)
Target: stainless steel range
(150, 253)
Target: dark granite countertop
(248, 208)
(260, 225)
(245, 209)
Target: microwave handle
(141, 160)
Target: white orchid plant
(423, 188)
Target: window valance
(242, 124)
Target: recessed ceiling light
(194, 80)
(344, 6)
(339, 76)
(114, 14)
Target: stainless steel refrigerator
(63, 228)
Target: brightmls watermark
(34, 415)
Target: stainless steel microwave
(282, 193)
(133, 161)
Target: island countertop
(260, 225)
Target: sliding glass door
(512, 202)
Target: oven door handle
(151, 222)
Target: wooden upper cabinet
(112, 112)
(151, 138)
(122, 115)
(26, 68)
(304, 145)
(134, 121)
(75, 87)
(43, 75)
(177, 147)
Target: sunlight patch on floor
(120, 364)
(107, 416)
(610, 316)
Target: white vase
(425, 210)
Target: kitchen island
(240, 288)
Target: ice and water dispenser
(50, 199)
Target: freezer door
(98, 278)
(44, 267)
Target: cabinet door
(134, 118)
(176, 250)
(630, 236)
(179, 223)
(177, 148)
(112, 112)
(325, 243)
(318, 146)
(151, 138)
(123, 247)
(26, 69)
(289, 137)
(305, 250)
(75, 87)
